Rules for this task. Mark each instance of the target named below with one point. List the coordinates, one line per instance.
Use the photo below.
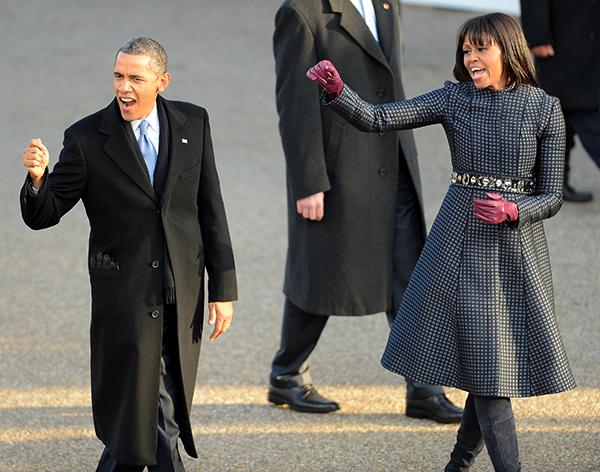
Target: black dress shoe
(572, 195)
(437, 408)
(304, 398)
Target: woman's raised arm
(420, 111)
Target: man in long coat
(355, 217)
(145, 171)
(564, 38)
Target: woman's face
(485, 64)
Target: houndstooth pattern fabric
(478, 313)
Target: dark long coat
(478, 312)
(343, 264)
(130, 224)
(573, 28)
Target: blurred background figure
(563, 37)
(355, 215)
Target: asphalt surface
(57, 59)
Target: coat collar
(119, 148)
(355, 26)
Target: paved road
(56, 67)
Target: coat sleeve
(420, 111)
(218, 253)
(298, 104)
(61, 190)
(548, 198)
(536, 18)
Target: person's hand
(496, 210)
(328, 77)
(312, 207)
(543, 50)
(220, 314)
(35, 160)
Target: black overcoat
(130, 224)
(573, 28)
(343, 264)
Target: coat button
(155, 314)
(381, 92)
(155, 264)
(383, 171)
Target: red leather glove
(496, 210)
(327, 76)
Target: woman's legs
(469, 441)
(497, 425)
(489, 420)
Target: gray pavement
(57, 62)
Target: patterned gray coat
(478, 313)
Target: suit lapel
(355, 26)
(385, 26)
(119, 148)
(178, 146)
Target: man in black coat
(564, 37)
(355, 217)
(145, 171)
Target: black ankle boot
(462, 458)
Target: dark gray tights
(489, 421)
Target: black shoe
(304, 398)
(572, 195)
(437, 408)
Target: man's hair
(503, 30)
(143, 46)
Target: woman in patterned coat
(478, 313)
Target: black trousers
(586, 125)
(167, 453)
(300, 330)
(489, 421)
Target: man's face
(137, 83)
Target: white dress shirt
(366, 10)
(153, 130)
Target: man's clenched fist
(312, 207)
(35, 160)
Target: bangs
(479, 32)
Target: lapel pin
(184, 141)
(386, 6)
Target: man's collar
(152, 120)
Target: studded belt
(488, 182)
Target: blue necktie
(147, 149)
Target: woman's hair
(504, 31)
